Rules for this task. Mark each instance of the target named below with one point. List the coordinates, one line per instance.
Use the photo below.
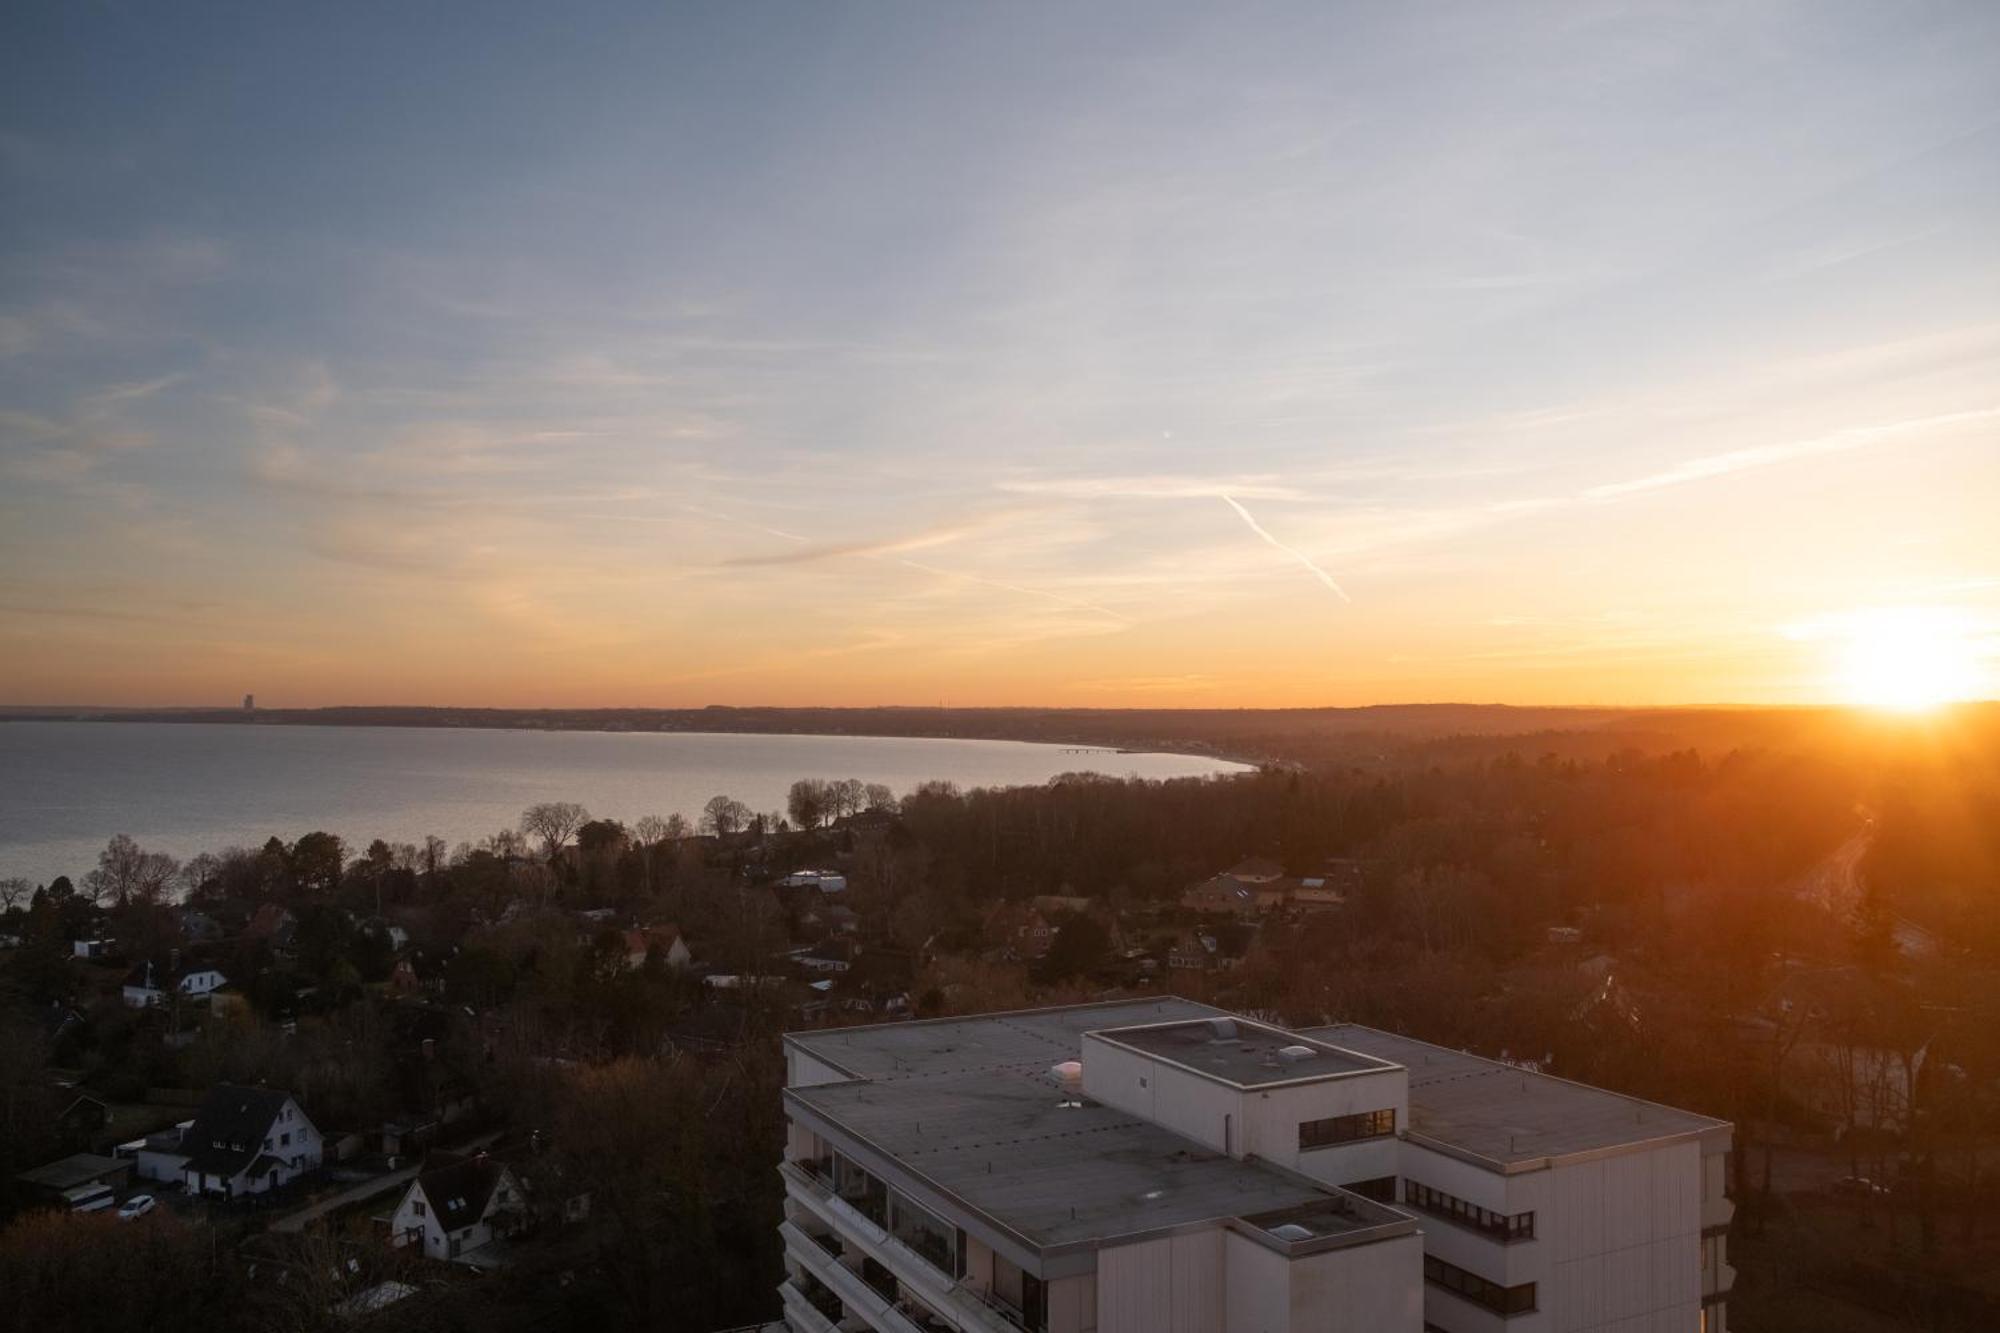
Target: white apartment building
(1161, 1166)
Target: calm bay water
(183, 788)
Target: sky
(1101, 355)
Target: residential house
(248, 1141)
(458, 1204)
(83, 1119)
(1017, 930)
(161, 1155)
(274, 923)
(148, 986)
(826, 881)
(1317, 893)
(663, 942)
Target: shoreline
(676, 722)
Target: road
(366, 1189)
(1835, 883)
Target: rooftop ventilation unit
(1221, 1029)
(1291, 1055)
(1291, 1231)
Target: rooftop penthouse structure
(1164, 1165)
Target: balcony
(802, 1314)
(857, 1296)
(992, 1311)
(805, 1313)
(946, 1304)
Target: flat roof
(1243, 1053)
(1005, 1145)
(1327, 1221)
(76, 1169)
(1512, 1115)
(969, 1106)
(1028, 1038)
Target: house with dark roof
(1246, 890)
(248, 1141)
(457, 1205)
(147, 986)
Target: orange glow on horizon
(1906, 659)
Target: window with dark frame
(1382, 1189)
(1481, 1292)
(1346, 1128)
(1500, 1226)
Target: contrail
(1299, 556)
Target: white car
(136, 1207)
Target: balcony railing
(823, 1300)
(993, 1304)
(883, 1284)
(925, 1319)
(802, 1314)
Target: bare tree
(14, 891)
(506, 844)
(126, 871)
(849, 796)
(649, 829)
(879, 796)
(810, 801)
(677, 827)
(724, 815)
(553, 822)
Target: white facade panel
(1135, 1288)
(1198, 1281)
(1361, 1289)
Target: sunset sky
(1092, 354)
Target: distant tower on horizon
(249, 703)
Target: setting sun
(1907, 659)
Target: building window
(1500, 1226)
(1346, 1128)
(1489, 1295)
(861, 1190)
(924, 1232)
(417, 1207)
(1382, 1189)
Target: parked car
(136, 1207)
(1859, 1187)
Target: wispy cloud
(1766, 455)
(1292, 551)
(942, 535)
(1162, 487)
